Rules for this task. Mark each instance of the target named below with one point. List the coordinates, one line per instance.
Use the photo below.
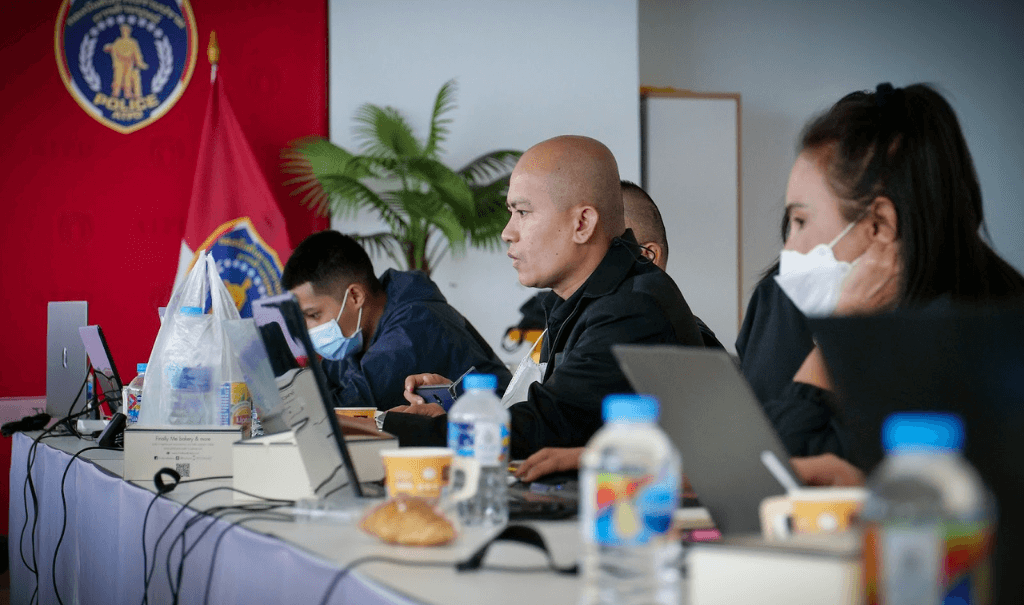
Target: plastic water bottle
(190, 386)
(629, 489)
(928, 521)
(478, 429)
(133, 395)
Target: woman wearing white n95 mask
(883, 210)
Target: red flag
(232, 211)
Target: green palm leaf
(444, 103)
(429, 208)
(490, 166)
(383, 132)
(383, 242)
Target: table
(264, 561)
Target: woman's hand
(549, 460)
(418, 380)
(826, 470)
(873, 284)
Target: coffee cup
(811, 510)
(426, 472)
(356, 412)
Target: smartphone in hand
(441, 394)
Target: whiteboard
(690, 161)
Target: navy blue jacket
(418, 332)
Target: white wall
(791, 59)
(527, 70)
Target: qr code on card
(184, 469)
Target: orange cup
(356, 412)
(425, 472)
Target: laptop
(65, 356)
(716, 422)
(108, 381)
(966, 361)
(305, 405)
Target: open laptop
(305, 404)
(108, 381)
(966, 361)
(715, 421)
(65, 356)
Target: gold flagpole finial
(213, 50)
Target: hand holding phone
(441, 394)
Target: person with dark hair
(566, 232)
(883, 211)
(372, 332)
(644, 218)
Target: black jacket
(626, 300)
(772, 344)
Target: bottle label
(633, 509)
(487, 442)
(235, 404)
(940, 563)
(132, 401)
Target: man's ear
(884, 224)
(654, 252)
(358, 292)
(585, 220)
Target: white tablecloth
(101, 557)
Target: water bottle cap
(141, 368)
(922, 431)
(486, 382)
(191, 311)
(638, 408)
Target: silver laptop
(65, 356)
(716, 422)
(304, 404)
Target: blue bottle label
(631, 510)
(487, 442)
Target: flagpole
(213, 54)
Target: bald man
(567, 232)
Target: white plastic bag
(191, 364)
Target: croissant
(409, 521)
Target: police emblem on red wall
(126, 62)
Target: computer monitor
(108, 381)
(65, 356)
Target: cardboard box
(271, 466)
(194, 451)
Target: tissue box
(271, 466)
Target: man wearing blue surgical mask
(373, 332)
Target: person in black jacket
(567, 233)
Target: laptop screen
(306, 404)
(108, 381)
(966, 361)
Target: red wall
(91, 214)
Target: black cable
(216, 547)
(30, 485)
(64, 521)
(379, 559)
(216, 513)
(185, 506)
(145, 521)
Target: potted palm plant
(429, 208)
